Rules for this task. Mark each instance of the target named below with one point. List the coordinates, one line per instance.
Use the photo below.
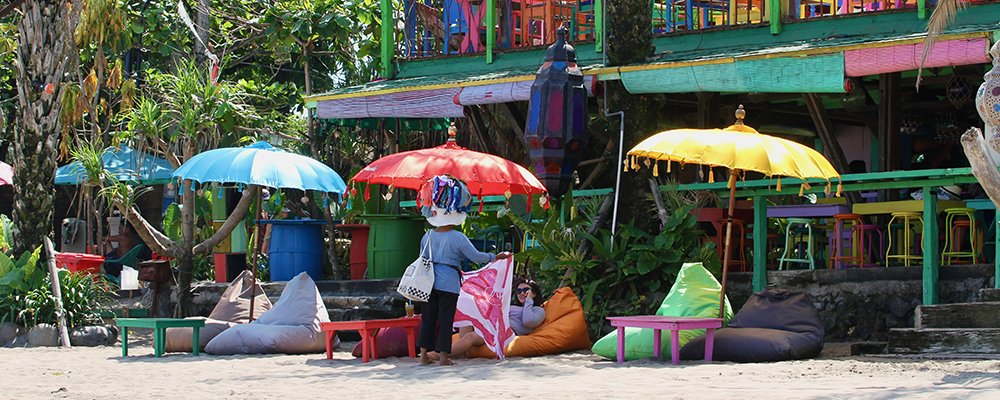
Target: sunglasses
(521, 290)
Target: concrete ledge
(959, 315)
(944, 340)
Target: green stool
(910, 223)
(806, 224)
(958, 221)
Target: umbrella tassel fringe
(778, 188)
(711, 175)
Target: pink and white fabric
(484, 303)
(6, 174)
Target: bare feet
(445, 360)
(425, 358)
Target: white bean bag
(232, 309)
(290, 327)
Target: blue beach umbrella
(263, 165)
(125, 163)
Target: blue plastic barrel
(296, 246)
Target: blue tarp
(124, 163)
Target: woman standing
(449, 201)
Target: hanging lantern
(556, 130)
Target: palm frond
(943, 15)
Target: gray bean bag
(232, 309)
(290, 327)
(773, 325)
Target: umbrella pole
(253, 256)
(726, 248)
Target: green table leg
(158, 341)
(124, 341)
(195, 341)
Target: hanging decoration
(556, 129)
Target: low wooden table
(159, 327)
(368, 330)
(674, 324)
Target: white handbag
(418, 280)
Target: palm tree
(44, 40)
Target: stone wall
(864, 303)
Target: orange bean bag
(564, 330)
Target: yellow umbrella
(738, 148)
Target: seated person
(127, 239)
(526, 314)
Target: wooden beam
(888, 124)
(477, 125)
(824, 129)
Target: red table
(368, 330)
(674, 324)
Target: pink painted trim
(907, 57)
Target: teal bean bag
(695, 294)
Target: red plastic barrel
(359, 248)
(79, 262)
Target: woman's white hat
(439, 217)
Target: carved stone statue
(984, 166)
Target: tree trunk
(629, 36)
(183, 251)
(41, 60)
(203, 23)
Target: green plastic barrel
(393, 243)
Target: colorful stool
(869, 232)
(837, 257)
(805, 227)
(907, 220)
(737, 256)
(958, 222)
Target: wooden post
(775, 14)
(930, 248)
(727, 249)
(759, 243)
(388, 45)
(57, 293)
(491, 21)
(598, 26)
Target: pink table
(674, 324)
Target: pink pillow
(391, 343)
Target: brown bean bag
(232, 309)
(564, 329)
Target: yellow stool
(908, 243)
(955, 227)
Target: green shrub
(627, 274)
(26, 293)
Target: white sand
(101, 373)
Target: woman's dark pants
(436, 321)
